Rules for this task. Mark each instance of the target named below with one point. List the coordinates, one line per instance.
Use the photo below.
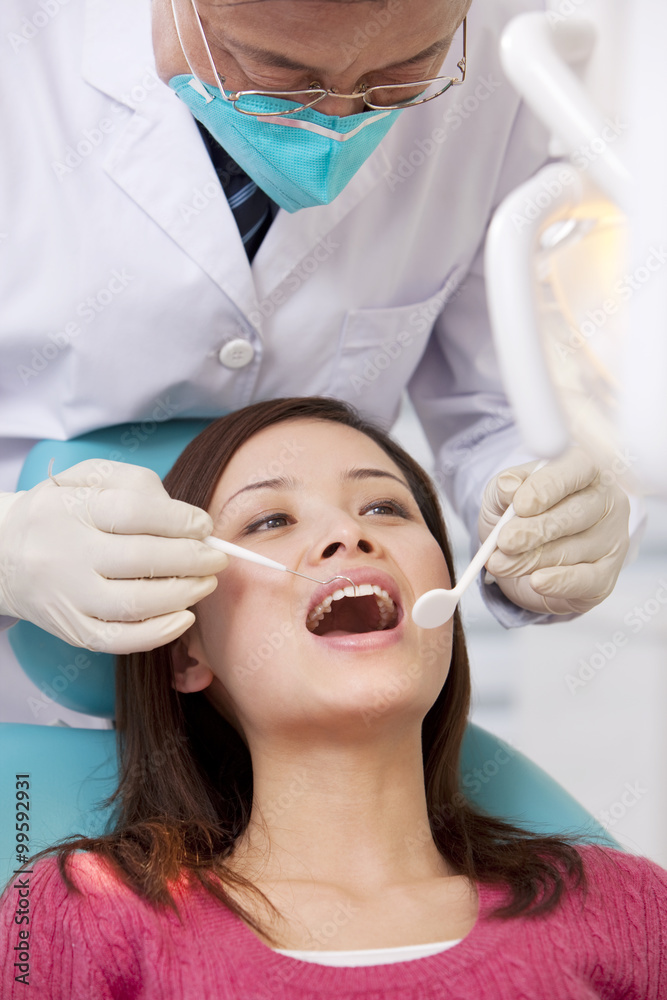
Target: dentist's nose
(335, 106)
(341, 106)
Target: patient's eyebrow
(278, 483)
(372, 474)
(289, 483)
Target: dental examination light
(576, 258)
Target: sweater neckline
(284, 969)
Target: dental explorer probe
(436, 607)
(250, 556)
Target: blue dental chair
(67, 772)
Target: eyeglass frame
(234, 97)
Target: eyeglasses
(383, 98)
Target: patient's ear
(191, 671)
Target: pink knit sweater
(108, 943)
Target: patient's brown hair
(185, 788)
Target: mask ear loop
(180, 40)
(50, 473)
(218, 80)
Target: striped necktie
(251, 207)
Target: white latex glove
(110, 566)
(564, 551)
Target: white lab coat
(123, 275)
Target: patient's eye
(386, 508)
(268, 523)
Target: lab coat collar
(174, 181)
(158, 158)
(117, 53)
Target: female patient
(289, 823)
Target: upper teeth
(384, 602)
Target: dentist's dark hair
(185, 790)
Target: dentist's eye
(390, 508)
(269, 523)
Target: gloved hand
(564, 551)
(110, 566)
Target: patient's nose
(362, 546)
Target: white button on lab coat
(236, 354)
(124, 282)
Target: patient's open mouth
(353, 610)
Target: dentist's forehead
(364, 23)
(323, 37)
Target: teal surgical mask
(299, 160)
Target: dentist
(213, 203)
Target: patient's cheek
(437, 646)
(224, 602)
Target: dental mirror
(436, 607)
